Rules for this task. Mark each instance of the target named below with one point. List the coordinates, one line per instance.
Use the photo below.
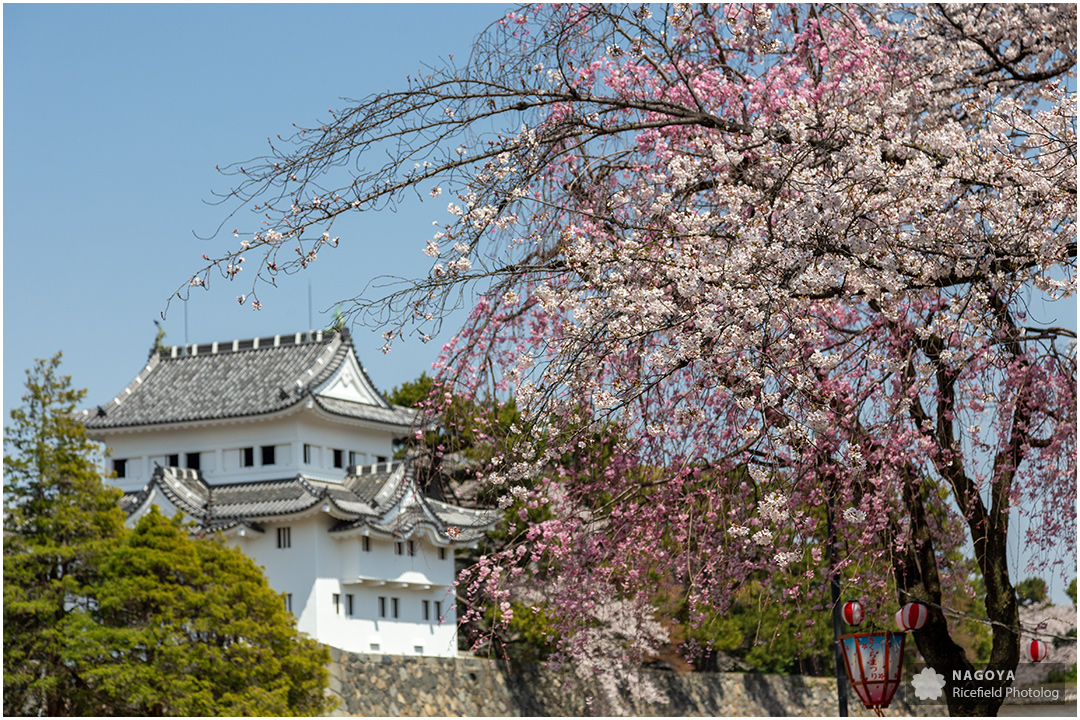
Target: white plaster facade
(299, 478)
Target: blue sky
(114, 119)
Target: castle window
(412, 548)
(287, 598)
(173, 460)
(418, 649)
(268, 454)
(427, 609)
(337, 603)
(119, 466)
(399, 548)
(191, 460)
(353, 455)
(247, 457)
(382, 607)
(365, 542)
(438, 610)
(284, 537)
(349, 604)
(394, 606)
(307, 454)
(339, 458)
(380, 458)
(442, 553)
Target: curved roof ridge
(103, 410)
(238, 345)
(318, 369)
(185, 488)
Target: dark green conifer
(100, 619)
(58, 521)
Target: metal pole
(837, 620)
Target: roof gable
(350, 383)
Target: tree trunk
(917, 580)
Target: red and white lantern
(912, 616)
(1035, 650)
(853, 613)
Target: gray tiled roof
(364, 498)
(394, 415)
(237, 379)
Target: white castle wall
(318, 565)
(220, 449)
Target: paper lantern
(912, 616)
(872, 661)
(853, 613)
(1036, 650)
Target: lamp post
(834, 584)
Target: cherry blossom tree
(776, 261)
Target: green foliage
(529, 636)
(59, 521)
(189, 627)
(1063, 676)
(1071, 591)
(465, 437)
(412, 392)
(1031, 591)
(102, 620)
(766, 634)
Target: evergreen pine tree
(100, 619)
(189, 627)
(59, 520)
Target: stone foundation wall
(386, 685)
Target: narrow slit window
(337, 603)
(284, 537)
(394, 606)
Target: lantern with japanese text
(873, 664)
